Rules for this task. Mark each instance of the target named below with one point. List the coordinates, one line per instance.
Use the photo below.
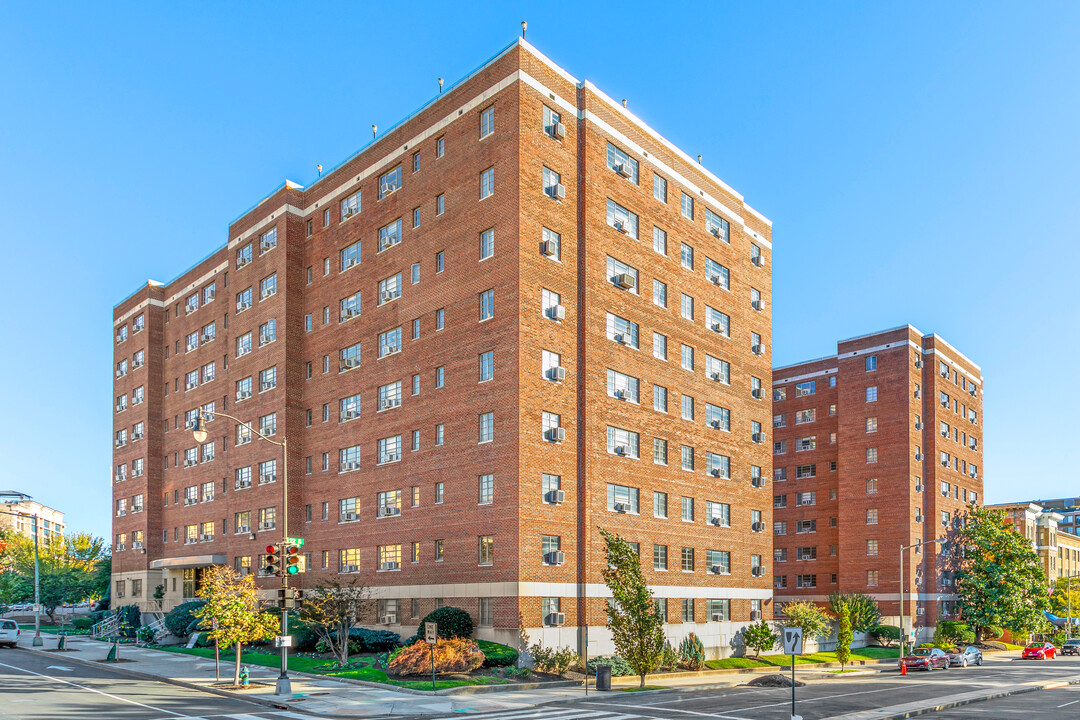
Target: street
(35, 686)
(827, 698)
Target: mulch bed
(774, 681)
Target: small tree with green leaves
(233, 610)
(637, 627)
(862, 608)
(844, 635)
(759, 637)
(808, 617)
(331, 610)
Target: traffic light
(291, 560)
(273, 560)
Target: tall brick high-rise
(517, 316)
(875, 447)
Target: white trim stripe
(805, 376)
(122, 320)
(540, 589)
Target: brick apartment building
(518, 315)
(1056, 543)
(877, 446)
(1069, 510)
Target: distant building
(1069, 510)
(50, 522)
(1057, 545)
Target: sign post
(793, 642)
(431, 634)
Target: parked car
(926, 659)
(9, 633)
(964, 656)
(1071, 647)
(1039, 651)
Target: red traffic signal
(273, 560)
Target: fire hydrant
(244, 675)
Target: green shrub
(521, 673)
(552, 660)
(374, 641)
(951, 632)
(452, 622)
(992, 632)
(144, 634)
(181, 621)
(96, 616)
(130, 619)
(692, 652)
(669, 659)
(497, 655)
(885, 634)
(618, 665)
(304, 637)
(82, 623)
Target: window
(487, 121)
(687, 406)
(686, 355)
(267, 518)
(390, 235)
(349, 358)
(660, 505)
(688, 559)
(350, 255)
(660, 395)
(779, 501)
(717, 513)
(622, 219)
(806, 526)
(871, 394)
(389, 449)
(660, 451)
(415, 277)
(717, 417)
(486, 427)
(486, 490)
(622, 331)
(687, 458)
(487, 305)
(659, 293)
(552, 244)
(686, 306)
(686, 206)
(390, 289)
(440, 377)
(717, 369)
(622, 275)
(871, 363)
(622, 164)
(718, 561)
(191, 304)
(552, 184)
(871, 486)
(717, 225)
(268, 286)
(871, 455)
(806, 443)
(688, 509)
(243, 345)
(659, 241)
(350, 206)
(553, 123)
(267, 332)
(622, 387)
(550, 426)
(389, 342)
(717, 321)
(659, 188)
(659, 346)
(621, 498)
(718, 465)
(243, 256)
(871, 424)
(268, 379)
(440, 319)
(390, 181)
(349, 408)
(659, 557)
(487, 244)
(805, 388)
(622, 442)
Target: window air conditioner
(718, 617)
(918, 426)
(715, 376)
(242, 530)
(558, 192)
(758, 527)
(555, 557)
(755, 615)
(351, 466)
(557, 373)
(756, 392)
(715, 424)
(715, 569)
(392, 565)
(759, 437)
(547, 247)
(263, 479)
(622, 450)
(945, 463)
(621, 338)
(388, 619)
(350, 362)
(557, 619)
(348, 568)
(758, 349)
(136, 546)
(556, 497)
(758, 571)
(918, 488)
(757, 481)
(718, 327)
(757, 305)
(241, 484)
(206, 538)
(758, 260)
(559, 130)
(625, 281)
(618, 225)
(556, 434)
(717, 521)
(918, 363)
(624, 170)
(715, 231)
(558, 312)
(715, 472)
(389, 511)
(620, 507)
(620, 394)
(918, 456)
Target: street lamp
(11, 497)
(902, 549)
(198, 431)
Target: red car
(926, 659)
(1040, 651)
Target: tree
(1059, 599)
(331, 610)
(1000, 579)
(233, 609)
(863, 609)
(808, 617)
(637, 628)
(843, 633)
(70, 569)
(759, 637)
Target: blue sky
(920, 163)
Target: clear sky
(920, 163)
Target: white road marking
(825, 697)
(687, 712)
(59, 667)
(90, 689)
(1069, 703)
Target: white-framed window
(349, 357)
(686, 306)
(349, 307)
(552, 183)
(486, 366)
(191, 380)
(551, 424)
(660, 455)
(686, 357)
(717, 321)
(487, 305)
(717, 225)
(390, 288)
(687, 407)
(191, 304)
(268, 286)
(552, 121)
(871, 455)
(487, 121)
(350, 255)
(871, 394)
(390, 395)
(350, 206)
(719, 562)
(622, 442)
(267, 472)
(390, 342)
(389, 449)
(622, 275)
(660, 398)
(659, 188)
(268, 332)
(717, 369)
(243, 256)
(718, 465)
(659, 348)
(390, 235)
(686, 256)
(659, 241)
(268, 379)
(804, 444)
(243, 300)
(622, 386)
(349, 408)
(622, 219)
(390, 182)
(622, 498)
(621, 163)
(486, 427)
(552, 244)
(622, 331)
(686, 206)
(805, 388)
(268, 241)
(487, 243)
(486, 489)
(717, 273)
(487, 183)
(717, 417)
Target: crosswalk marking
(548, 713)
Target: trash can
(603, 677)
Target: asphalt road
(34, 686)
(1063, 703)
(821, 699)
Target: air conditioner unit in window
(136, 546)
(757, 304)
(348, 568)
(349, 517)
(240, 307)
(121, 513)
(555, 557)
(190, 501)
(757, 260)
(918, 363)
(757, 349)
(757, 571)
(758, 526)
(945, 433)
(559, 130)
(715, 472)
(241, 484)
(758, 437)
(350, 466)
(625, 281)
(263, 479)
(973, 392)
(557, 619)
(389, 511)
(621, 507)
(557, 434)
(242, 530)
(945, 463)
(547, 247)
(918, 426)
(621, 338)
(558, 192)
(757, 482)
(388, 619)
(718, 327)
(350, 362)
(918, 456)
(206, 538)
(715, 231)
(755, 615)
(717, 521)
(624, 170)
(557, 373)
(349, 212)
(119, 373)
(718, 617)
(715, 424)
(945, 374)
(384, 296)
(558, 312)
(349, 313)
(715, 376)
(618, 225)
(391, 565)
(621, 394)
(918, 488)
(622, 450)
(556, 497)
(756, 392)
(715, 569)
(973, 474)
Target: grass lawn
(319, 666)
(639, 689)
(859, 654)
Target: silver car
(964, 656)
(9, 633)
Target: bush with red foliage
(454, 655)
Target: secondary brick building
(877, 446)
(518, 315)
(1045, 527)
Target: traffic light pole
(284, 685)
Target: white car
(9, 633)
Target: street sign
(281, 641)
(792, 641)
(430, 632)
(295, 541)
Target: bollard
(61, 642)
(114, 653)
